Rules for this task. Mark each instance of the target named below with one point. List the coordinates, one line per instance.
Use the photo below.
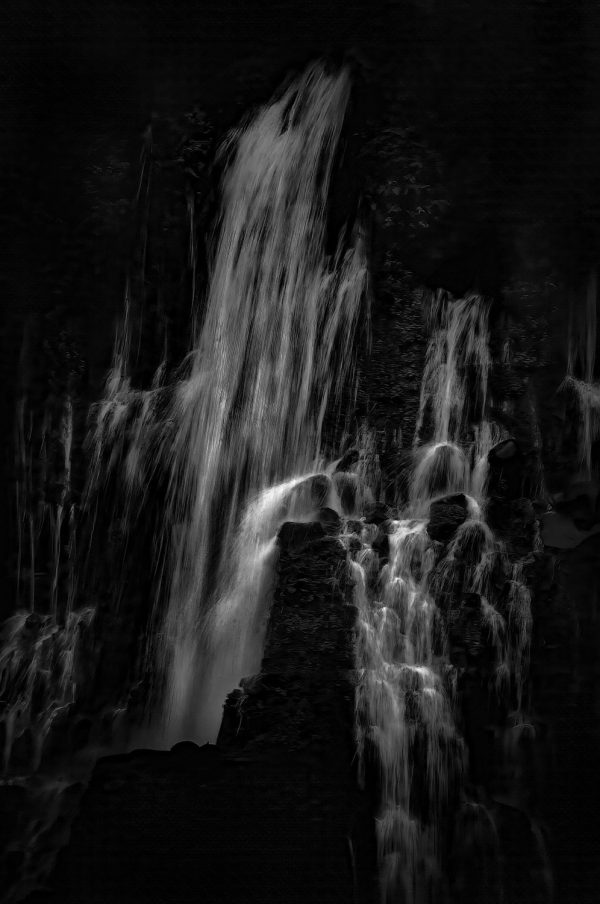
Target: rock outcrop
(270, 813)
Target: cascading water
(458, 349)
(274, 351)
(409, 608)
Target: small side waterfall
(38, 643)
(458, 349)
(411, 606)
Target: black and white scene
(300, 472)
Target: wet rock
(311, 493)
(232, 718)
(347, 461)
(381, 544)
(294, 536)
(330, 521)
(377, 513)
(186, 753)
(354, 546)
(396, 465)
(445, 516)
(346, 486)
(504, 451)
(508, 469)
(471, 601)
(319, 489)
(33, 622)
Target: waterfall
(273, 352)
(234, 433)
(456, 371)
(425, 593)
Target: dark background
(111, 116)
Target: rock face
(347, 461)
(330, 521)
(293, 536)
(271, 813)
(377, 513)
(507, 470)
(445, 516)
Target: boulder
(446, 515)
(381, 544)
(354, 546)
(346, 486)
(294, 536)
(33, 623)
(504, 451)
(330, 521)
(311, 493)
(377, 513)
(347, 461)
(319, 488)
